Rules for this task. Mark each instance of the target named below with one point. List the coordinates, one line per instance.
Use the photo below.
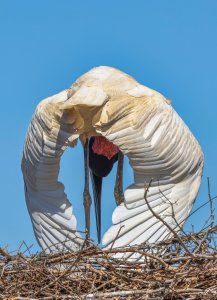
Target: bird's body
(108, 103)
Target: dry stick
(46, 298)
(210, 257)
(135, 249)
(127, 279)
(201, 268)
(27, 248)
(122, 293)
(211, 217)
(201, 206)
(62, 275)
(59, 283)
(205, 226)
(104, 284)
(173, 214)
(165, 223)
(5, 254)
(211, 205)
(203, 240)
(123, 250)
(55, 259)
(117, 235)
(198, 235)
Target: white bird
(108, 103)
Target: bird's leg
(118, 191)
(86, 195)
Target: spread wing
(160, 148)
(145, 127)
(50, 132)
(54, 127)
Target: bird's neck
(104, 147)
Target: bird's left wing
(160, 149)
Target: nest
(184, 267)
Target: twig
(162, 220)
(211, 205)
(117, 235)
(122, 294)
(164, 271)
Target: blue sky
(170, 46)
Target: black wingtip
(97, 190)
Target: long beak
(97, 190)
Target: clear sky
(170, 46)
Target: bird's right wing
(160, 149)
(50, 132)
(54, 127)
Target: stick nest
(184, 267)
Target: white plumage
(138, 120)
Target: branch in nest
(162, 220)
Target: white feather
(160, 147)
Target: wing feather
(51, 212)
(161, 148)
